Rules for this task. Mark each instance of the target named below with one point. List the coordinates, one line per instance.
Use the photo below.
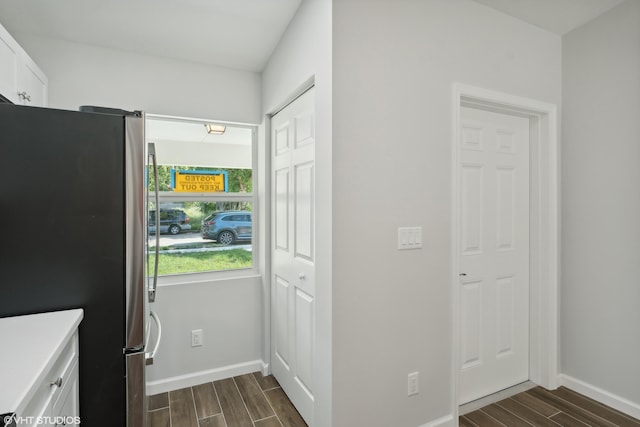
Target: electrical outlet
(196, 338)
(412, 384)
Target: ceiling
(186, 142)
(238, 34)
(557, 16)
(169, 129)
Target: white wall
(230, 312)
(600, 311)
(304, 52)
(88, 75)
(393, 68)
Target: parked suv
(172, 221)
(227, 227)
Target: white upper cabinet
(9, 66)
(32, 83)
(21, 80)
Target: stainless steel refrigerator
(73, 212)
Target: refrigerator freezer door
(136, 390)
(135, 211)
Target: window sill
(208, 277)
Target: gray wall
(81, 74)
(230, 314)
(394, 65)
(600, 300)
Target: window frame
(251, 197)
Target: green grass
(203, 261)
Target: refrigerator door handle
(154, 286)
(152, 355)
(135, 283)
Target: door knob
(302, 276)
(463, 274)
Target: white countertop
(30, 345)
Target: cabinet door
(9, 66)
(65, 410)
(40, 413)
(32, 83)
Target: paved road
(182, 238)
(176, 242)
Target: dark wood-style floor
(539, 407)
(254, 400)
(250, 400)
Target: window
(204, 214)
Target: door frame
(544, 228)
(269, 203)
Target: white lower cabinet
(56, 400)
(43, 370)
(65, 410)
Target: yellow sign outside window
(198, 183)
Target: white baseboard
(446, 421)
(603, 396)
(195, 378)
(266, 369)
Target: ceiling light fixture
(214, 129)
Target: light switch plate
(409, 238)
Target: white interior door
(494, 252)
(293, 251)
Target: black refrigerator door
(63, 240)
